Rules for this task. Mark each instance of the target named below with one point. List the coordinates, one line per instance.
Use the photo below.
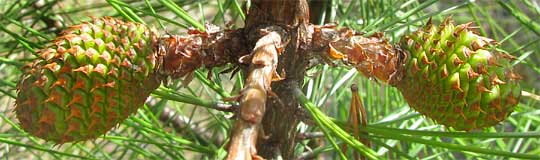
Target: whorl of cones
(97, 73)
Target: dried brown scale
(184, 54)
(374, 56)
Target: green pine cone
(87, 80)
(457, 78)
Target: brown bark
(280, 122)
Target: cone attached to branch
(447, 73)
(97, 73)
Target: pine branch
(253, 97)
(182, 55)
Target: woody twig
(253, 97)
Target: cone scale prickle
(447, 73)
